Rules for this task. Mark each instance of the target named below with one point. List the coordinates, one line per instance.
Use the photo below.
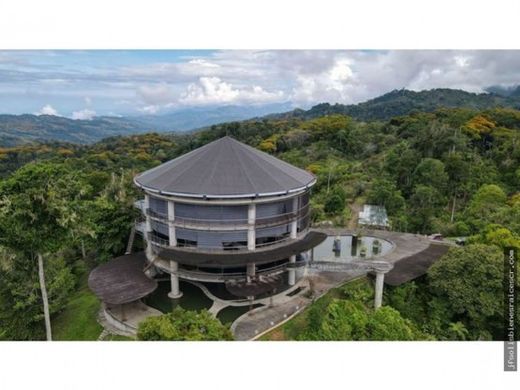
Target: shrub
(183, 325)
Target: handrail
(164, 243)
(269, 220)
(221, 275)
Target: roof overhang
(121, 280)
(223, 196)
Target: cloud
(213, 90)
(204, 63)
(155, 94)
(84, 114)
(151, 109)
(153, 83)
(47, 110)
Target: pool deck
(411, 255)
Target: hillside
(199, 117)
(23, 129)
(404, 102)
(454, 172)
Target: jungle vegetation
(456, 171)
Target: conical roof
(225, 168)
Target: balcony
(211, 257)
(212, 277)
(165, 243)
(230, 224)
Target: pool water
(364, 247)
(193, 298)
(230, 313)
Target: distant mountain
(198, 117)
(19, 129)
(22, 129)
(512, 91)
(402, 102)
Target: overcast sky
(81, 84)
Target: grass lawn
(78, 321)
(295, 326)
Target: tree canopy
(183, 325)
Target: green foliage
(430, 172)
(470, 281)
(335, 201)
(486, 206)
(348, 319)
(384, 192)
(78, 319)
(452, 170)
(21, 315)
(424, 205)
(183, 325)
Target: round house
(226, 212)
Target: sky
(84, 84)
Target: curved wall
(224, 227)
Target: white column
(378, 299)
(294, 224)
(292, 271)
(251, 235)
(146, 207)
(174, 279)
(171, 226)
(147, 228)
(251, 271)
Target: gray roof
(225, 168)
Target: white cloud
(151, 109)
(304, 77)
(84, 114)
(333, 84)
(213, 90)
(155, 94)
(47, 110)
(202, 62)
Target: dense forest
(25, 129)
(454, 171)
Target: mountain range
(23, 129)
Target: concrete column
(292, 271)
(171, 226)
(294, 224)
(148, 225)
(175, 293)
(251, 234)
(378, 299)
(251, 271)
(147, 228)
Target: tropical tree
(470, 281)
(348, 319)
(38, 211)
(335, 201)
(183, 325)
(486, 206)
(384, 192)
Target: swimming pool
(364, 247)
